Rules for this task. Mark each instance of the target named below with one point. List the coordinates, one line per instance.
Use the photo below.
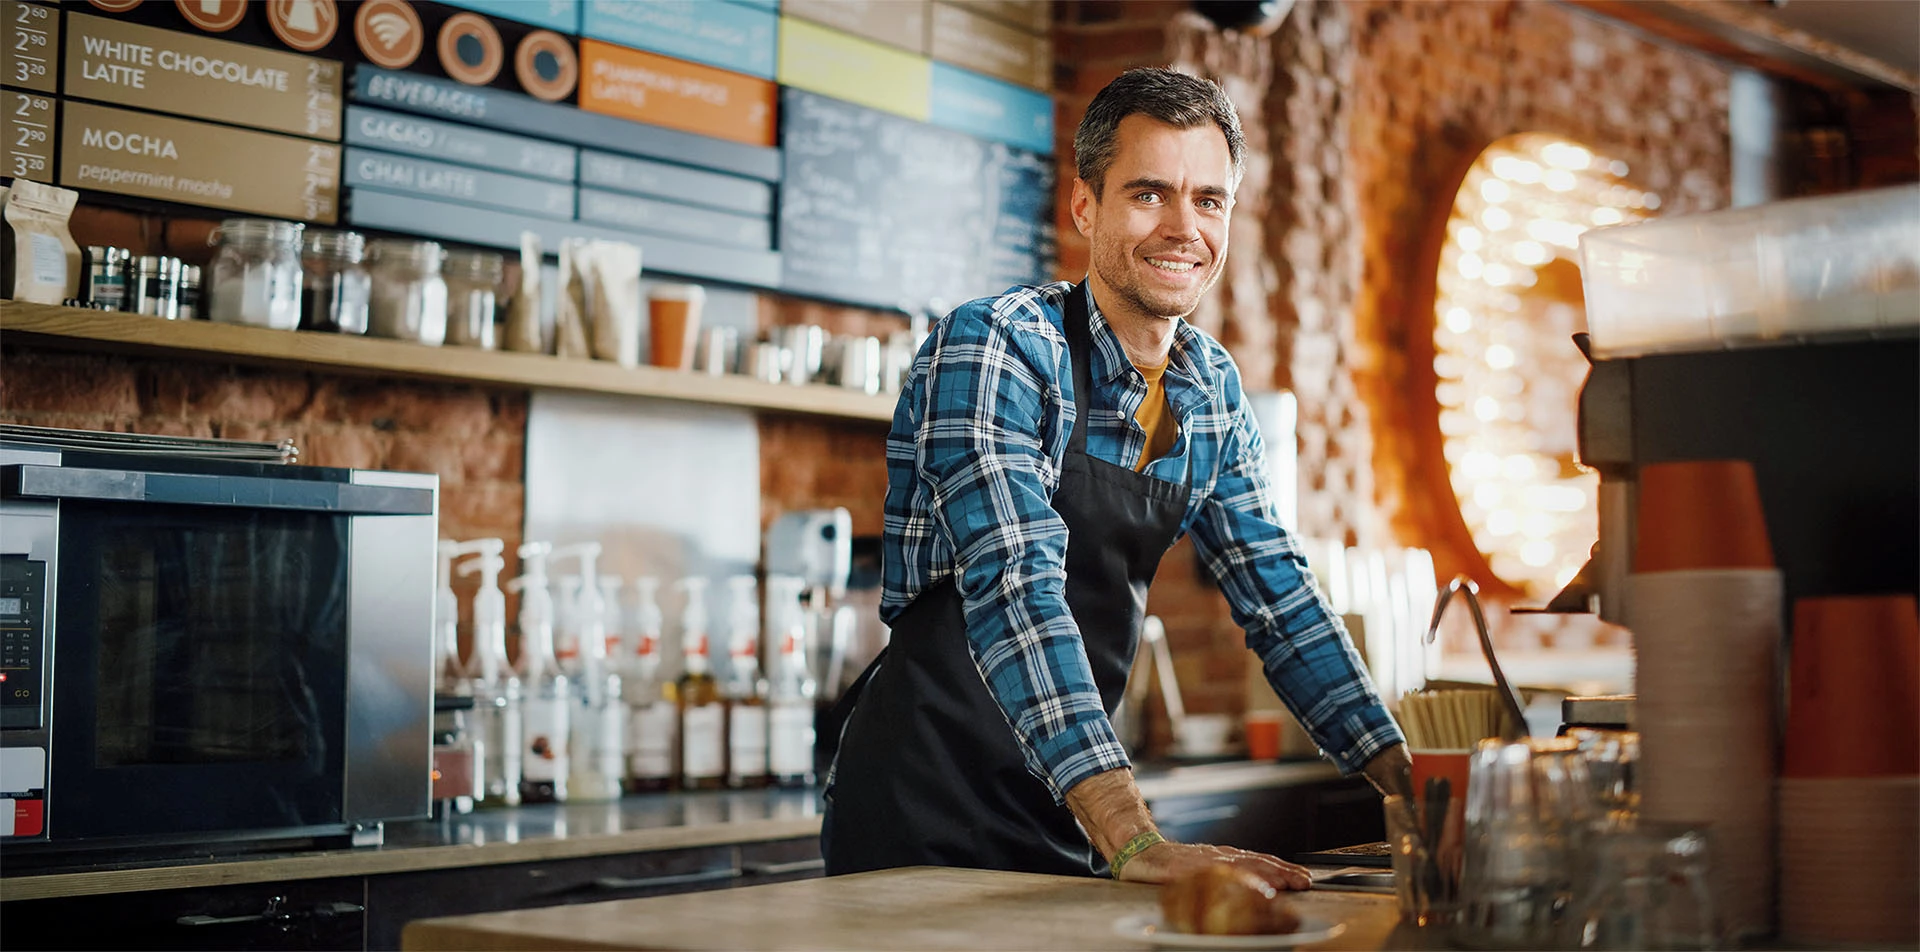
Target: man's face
(1158, 230)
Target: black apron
(929, 772)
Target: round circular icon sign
(115, 6)
(546, 65)
(305, 25)
(389, 33)
(213, 16)
(470, 49)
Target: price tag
(31, 37)
(27, 151)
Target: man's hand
(1391, 771)
(1109, 808)
(1164, 861)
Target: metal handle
(29, 481)
(1517, 725)
(784, 869)
(274, 912)
(1205, 815)
(612, 883)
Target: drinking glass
(1529, 806)
(1612, 757)
(1423, 838)
(1649, 890)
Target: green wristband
(1134, 847)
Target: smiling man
(1050, 446)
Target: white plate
(1148, 928)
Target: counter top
(565, 831)
(523, 834)
(918, 908)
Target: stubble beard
(1115, 267)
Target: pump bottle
(744, 689)
(653, 730)
(703, 740)
(790, 706)
(547, 705)
(495, 687)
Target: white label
(609, 748)
(544, 722)
(49, 259)
(747, 741)
(703, 754)
(792, 739)
(650, 739)
(22, 770)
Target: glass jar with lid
(256, 273)
(409, 295)
(338, 285)
(473, 279)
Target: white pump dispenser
(446, 623)
(616, 619)
(496, 691)
(583, 645)
(744, 688)
(790, 705)
(653, 730)
(546, 708)
(703, 740)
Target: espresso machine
(1832, 428)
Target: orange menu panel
(662, 91)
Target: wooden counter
(919, 908)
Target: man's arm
(1108, 805)
(1305, 651)
(986, 448)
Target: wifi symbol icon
(389, 33)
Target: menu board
(197, 163)
(30, 34)
(662, 91)
(888, 212)
(27, 151)
(193, 75)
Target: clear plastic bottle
(653, 728)
(703, 714)
(791, 699)
(496, 690)
(744, 689)
(547, 705)
(599, 722)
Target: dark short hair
(1166, 95)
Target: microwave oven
(197, 650)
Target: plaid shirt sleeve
(1308, 657)
(994, 427)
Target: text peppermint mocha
(133, 60)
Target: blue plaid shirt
(973, 459)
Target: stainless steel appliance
(201, 650)
(1828, 426)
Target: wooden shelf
(114, 331)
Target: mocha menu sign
(189, 74)
(197, 163)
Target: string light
(1508, 375)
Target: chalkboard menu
(884, 211)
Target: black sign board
(884, 211)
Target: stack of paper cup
(1704, 605)
(1850, 777)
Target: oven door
(202, 650)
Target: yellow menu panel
(871, 74)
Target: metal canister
(187, 293)
(106, 278)
(154, 280)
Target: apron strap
(1079, 345)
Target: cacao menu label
(196, 163)
(30, 34)
(188, 74)
(27, 150)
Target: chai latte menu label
(197, 163)
(188, 74)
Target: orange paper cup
(1263, 735)
(1449, 764)
(1853, 702)
(1700, 515)
(673, 324)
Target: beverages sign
(196, 163)
(187, 74)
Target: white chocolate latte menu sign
(187, 74)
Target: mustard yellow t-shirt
(1155, 416)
